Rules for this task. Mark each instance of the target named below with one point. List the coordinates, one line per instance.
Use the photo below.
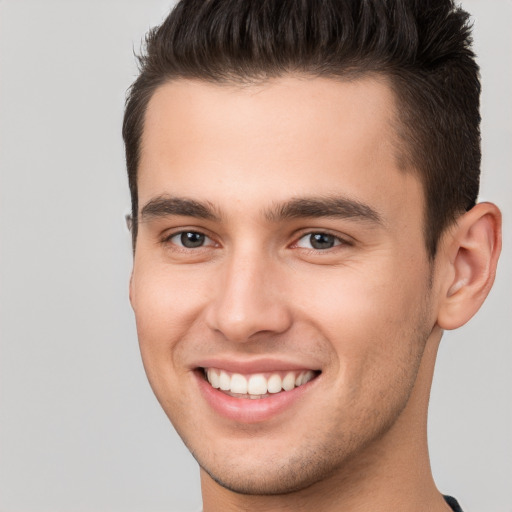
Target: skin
(367, 312)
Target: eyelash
(337, 240)
(168, 239)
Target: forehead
(264, 143)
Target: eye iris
(321, 240)
(191, 239)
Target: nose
(249, 301)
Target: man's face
(279, 245)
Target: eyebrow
(296, 208)
(164, 206)
(319, 207)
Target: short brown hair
(422, 46)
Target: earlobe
(472, 249)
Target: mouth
(256, 386)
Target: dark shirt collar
(453, 503)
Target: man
(304, 178)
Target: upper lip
(260, 365)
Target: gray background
(79, 427)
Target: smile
(257, 385)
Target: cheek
(377, 332)
(372, 318)
(166, 304)
(165, 299)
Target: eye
(318, 241)
(190, 239)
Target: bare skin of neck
(391, 474)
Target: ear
(130, 289)
(470, 254)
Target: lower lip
(247, 410)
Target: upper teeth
(257, 383)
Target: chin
(283, 480)
(266, 472)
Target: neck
(392, 473)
